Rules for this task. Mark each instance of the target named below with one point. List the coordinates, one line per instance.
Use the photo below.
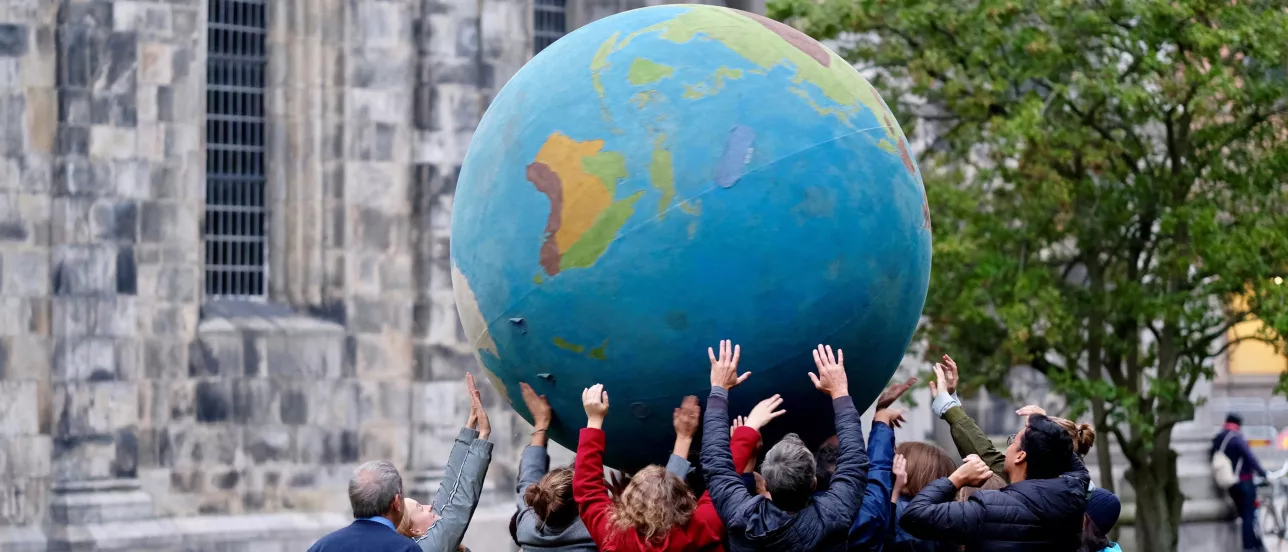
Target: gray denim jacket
(458, 494)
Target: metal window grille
(235, 176)
(549, 22)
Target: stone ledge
(268, 318)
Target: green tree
(1106, 181)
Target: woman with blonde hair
(656, 512)
(547, 518)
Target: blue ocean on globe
(670, 176)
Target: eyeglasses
(1010, 440)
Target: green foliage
(1106, 181)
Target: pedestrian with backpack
(1233, 468)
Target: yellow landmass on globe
(580, 180)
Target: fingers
(737, 353)
(604, 397)
(711, 353)
(934, 389)
(840, 357)
(831, 358)
(814, 378)
(818, 360)
(744, 377)
(725, 353)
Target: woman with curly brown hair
(656, 512)
(547, 519)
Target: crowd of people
(848, 494)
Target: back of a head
(825, 464)
(1047, 447)
(926, 463)
(653, 503)
(1083, 435)
(789, 473)
(1234, 418)
(373, 488)
(994, 483)
(551, 498)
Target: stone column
(94, 275)
(30, 112)
(125, 255)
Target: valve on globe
(670, 176)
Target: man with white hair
(376, 495)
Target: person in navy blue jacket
(792, 518)
(376, 495)
(868, 534)
(1230, 441)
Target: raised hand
(889, 416)
(685, 418)
(972, 473)
(724, 369)
(478, 416)
(831, 378)
(900, 472)
(940, 381)
(764, 412)
(950, 375)
(538, 406)
(892, 393)
(738, 422)
(595, 400)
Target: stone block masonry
(137, 414)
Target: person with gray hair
(385, 520)
(792, 517)
(376, 495)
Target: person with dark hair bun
(547, 516)
(1040, 511)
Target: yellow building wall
(1253, 356)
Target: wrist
(840, 393)
(956, 480)
(541, 426)
(595, 422)
(682, 446)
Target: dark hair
(825, 460)
(1048, 448)
(926, 463)
(551, 498)
(1092, 539)
(1234, 418)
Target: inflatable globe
(670, 176)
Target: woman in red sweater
(657, 512)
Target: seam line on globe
(487, 330)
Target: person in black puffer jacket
(1040, 511)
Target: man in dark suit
(376, 494)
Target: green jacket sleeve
(970, 439)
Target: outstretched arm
(726, 489)
(967, 435)
(458, 495)
(593, 502)
(846, 489)
(874, 513)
